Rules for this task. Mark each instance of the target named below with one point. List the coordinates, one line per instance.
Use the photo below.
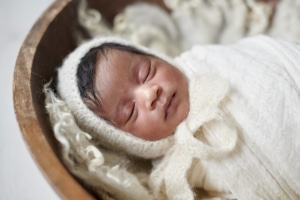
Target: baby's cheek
(152, 129)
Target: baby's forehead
(120, 58)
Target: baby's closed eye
(144, 72)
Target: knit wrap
(206, 94)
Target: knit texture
(263, 74)
(170, 176)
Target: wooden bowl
(48, 42)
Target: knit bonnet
(100, 129)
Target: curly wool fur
(141, 23)
(87, 161)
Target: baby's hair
(86, 72)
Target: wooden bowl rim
(51, 167)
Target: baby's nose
(151, 95)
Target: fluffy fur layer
(103, 171)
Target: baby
(223, 119)
(137, 92)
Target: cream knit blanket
(264, 104)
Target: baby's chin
(165, 134)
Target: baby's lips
(168, 104)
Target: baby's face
(141, 94)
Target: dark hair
(86, 72)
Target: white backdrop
(20, 177)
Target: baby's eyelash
(131, 113)
(149, 70)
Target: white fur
(86, 160)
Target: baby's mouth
(168, 105)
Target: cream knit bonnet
(100, 129)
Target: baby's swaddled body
(261, 106)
